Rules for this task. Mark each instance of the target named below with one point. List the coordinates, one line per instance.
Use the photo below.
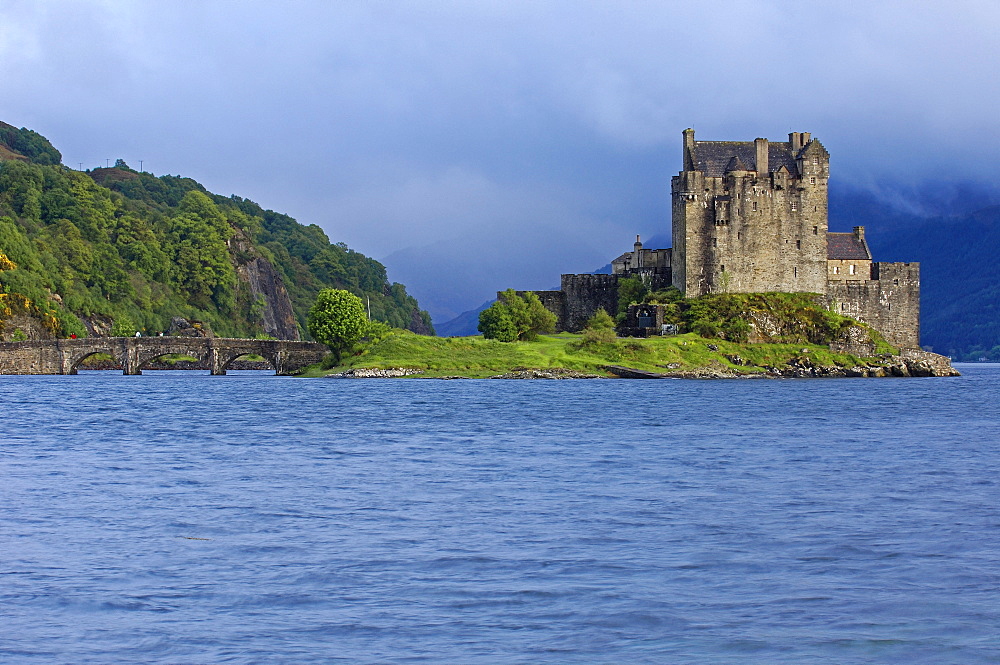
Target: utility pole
(140, 166)
(107, 163)
(81, 165)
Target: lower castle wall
(888, 302)
(583, 295)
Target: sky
(475, 146)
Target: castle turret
(761, 148)
(689, 162)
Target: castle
(750, 217)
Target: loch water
(177, 517)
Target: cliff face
(271, 303)
(265, 286)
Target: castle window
(798, 244)
(755, 205)
(722, 268)
(853, 269)
(795, 272)
(815, 230)
(715, 242)
(812, 180)
(739, 235)
(895, 282)
(795, 206)
(836, 270)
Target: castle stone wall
(889, 301)
(750, 231)
(583, 295)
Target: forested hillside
(117, 248)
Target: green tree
(496, 323)
(631, 291)
(337, 319)
(123, 326)
(516, 317)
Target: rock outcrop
(267, 292)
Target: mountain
(114, 246)
(466, 323)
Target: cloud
(400, 125)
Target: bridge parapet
(63, 356)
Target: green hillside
(115, 245)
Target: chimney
(761, 145)
(795, 141)
(806, 138)
(637, 261)
(689, 150)
(859, 233)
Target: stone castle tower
(751, 217)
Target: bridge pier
(216, 363)
(130, 361)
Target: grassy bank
(476, 357)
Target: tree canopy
(516, 317)
(337, 319)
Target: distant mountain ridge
(117, 247)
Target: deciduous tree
(337, 319)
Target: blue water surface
(177, 517)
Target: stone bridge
(63, 356)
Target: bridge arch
(72, 360)
(147, 357)
(270, 358)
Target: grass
(475, 357)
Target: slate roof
(714, 157)
(846, 247)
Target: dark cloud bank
(476, 146)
